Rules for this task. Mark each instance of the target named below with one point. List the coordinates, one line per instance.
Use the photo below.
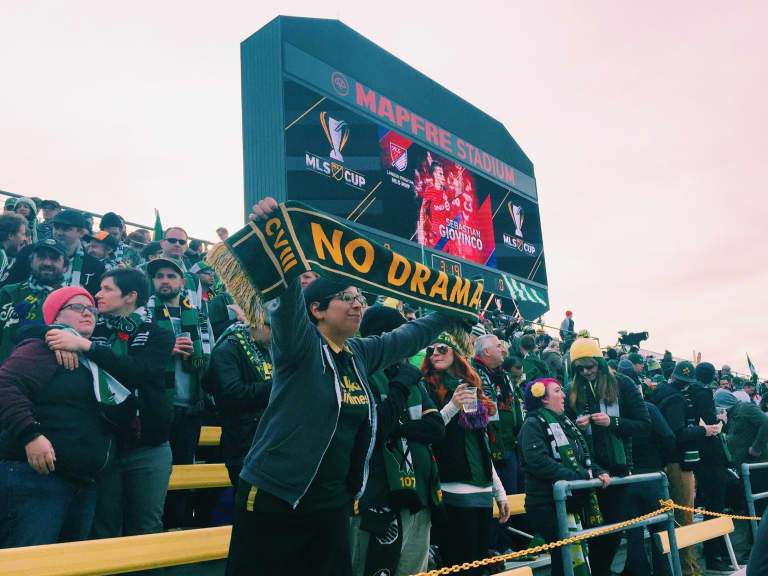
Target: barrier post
(564, 488)
(750, 496)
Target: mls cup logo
(337, 133)
(518, 217)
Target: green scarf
(116, 402)
(607, 442)
(567, 456)
(192, 321)
(75, 268)
(259, 261)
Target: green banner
(262, 258)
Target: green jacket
(534, 368)
(19, 307)
(747, 427)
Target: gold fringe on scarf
(239, 287)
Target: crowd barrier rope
(752, 497)
(130, 553)
(564, 488)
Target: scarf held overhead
(264, 257)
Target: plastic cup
(186, 335)
(470, 407)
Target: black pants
(281, 543)
(543, 520)
(613, 505)
(713, 481)
(643, 499)
(184, 438)
(464, 535)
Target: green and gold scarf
(590, 516)
(259, 261)
(192, 321)
(238, 334)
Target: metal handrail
(562, 489)
(99, 216)
(751, 498)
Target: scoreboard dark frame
(330, 58)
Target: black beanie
(320, 290)
(379, 319)
(705, 372)
(110, 220)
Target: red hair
(434, 380)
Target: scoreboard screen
(374, 176)
(333, 120)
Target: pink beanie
(58, 298)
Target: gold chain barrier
(666, 506)
(670, 504)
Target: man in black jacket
(684, 404)
(240, 379)
(131, 493)
(650, 453)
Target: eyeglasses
(440, 349)
(586, 368)
(348, 298)
(175, 241)
(80, 308)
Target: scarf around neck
(238, 334)
(192, 321)
(564, 451)
(75, 268)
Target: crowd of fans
(360, 436)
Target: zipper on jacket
(372, 420)
(337, 385)
(106, 460)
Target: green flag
(158, 234)
(752, 370)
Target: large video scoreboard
(324, 128)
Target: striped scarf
(75, 268)
(193, 321)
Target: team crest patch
(399, 156)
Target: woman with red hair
(469, 482)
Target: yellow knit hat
(585, 348)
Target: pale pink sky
(646, 123)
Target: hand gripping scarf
(259, 261)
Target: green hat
(685, 372)
(636, 358)
(659, 379)
(10, 203)
(164, 262)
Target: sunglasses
(175, 241)
(349, 298)
(440, 349)
(80, 308)
(586, 368)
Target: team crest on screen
(399, 156)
